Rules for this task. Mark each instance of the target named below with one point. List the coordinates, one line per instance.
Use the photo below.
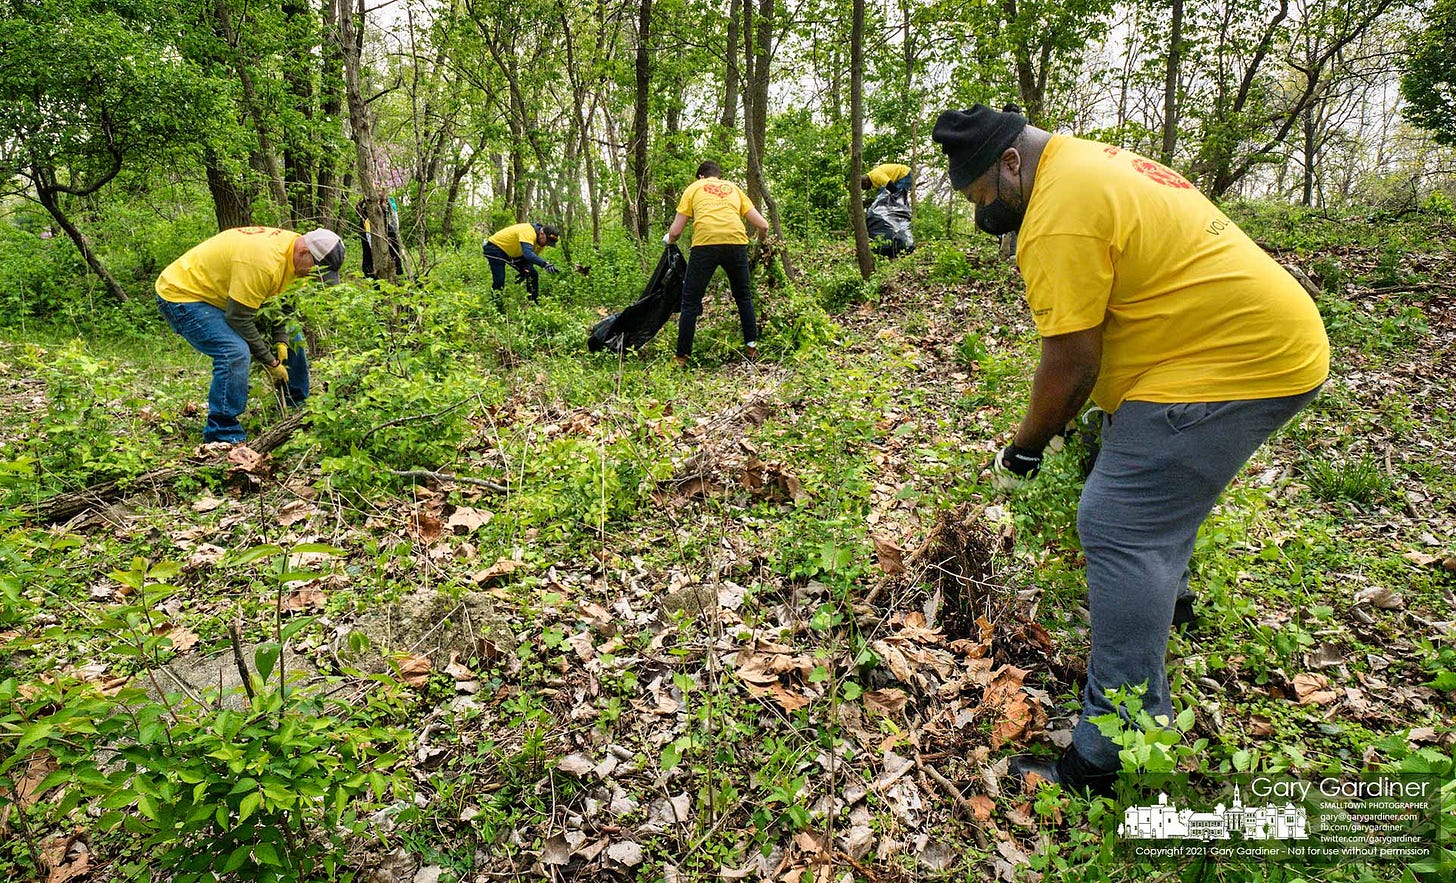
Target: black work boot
(1184, 614)
(1072, 771)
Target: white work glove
(667, 239)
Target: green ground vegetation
(696, 640)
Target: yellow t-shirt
(717, 209)
(509, 240)
(1194, 310)
(247, 264)
(884, 173)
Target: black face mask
(999, 217)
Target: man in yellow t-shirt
(515, 246)
(211, 296)
(1196, 344)
(717, 209)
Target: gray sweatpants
(1158, 476)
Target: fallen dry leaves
(1313, 689)
(414, 670)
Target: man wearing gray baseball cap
(211, 295)
(1192, 340)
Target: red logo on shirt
(722, 191)
(1162, 174)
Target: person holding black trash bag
(887, 216)
(717, 209)
(516, 247)
(895, 176)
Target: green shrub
(949, 264)
(271, 792)
(844, 289)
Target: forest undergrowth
(504, 609)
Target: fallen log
(68, 505)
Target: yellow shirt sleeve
(1068, 281)
(685, 204)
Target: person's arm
(242, 319)
(757, 220)
(528, 252)
(1064, 379)
(280, 327)
(244, 301)
(679, 222)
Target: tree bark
(1170, 85)
(232, 204)
(909, 60)
(361, 127)
(758, 45)
(299, 153)
(728, 112)
(856, 142)
(637, 157)
(331, 106)
(222, 16)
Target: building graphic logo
(1165, 821)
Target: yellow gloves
(282, 350)
(277, 371)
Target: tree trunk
(232, 204)
(1310, 150)
(1170, 85)
(728, 112)
(361, 127)
(909, 58)
(331, 106)
(589, 157)
(672, 127)
(299, 156)
(615, 149)
(758, 44)
(223, 19)
(49, 198)
(1028, 84)
(637, 158)
(856, 142)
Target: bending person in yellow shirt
(211, 296)
(515, 247)
(895, 176)
(1198, 346)
(717, 209)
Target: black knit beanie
(974, 139)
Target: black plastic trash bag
(635, 326)
(888, 220)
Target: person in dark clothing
(516, 247)
(390, 212)
(717, 209)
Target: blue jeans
(525, 272)
(205, 328)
